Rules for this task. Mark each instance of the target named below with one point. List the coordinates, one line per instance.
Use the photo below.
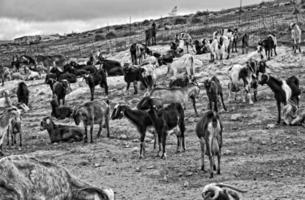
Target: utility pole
(129, 29)
(240, 10)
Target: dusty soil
(266, 160)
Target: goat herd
(160, 108)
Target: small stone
(138, 169)
(270, 126)
(236, 117)
(286, 148)
(150, 167)
(123, 137)
(135, 150)
(114, 160)
(263, 142)
(186, 184)
(188, 173)
(97, 165)
(227, 152)
(84, 163)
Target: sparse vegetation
(111, 35)
(196, 20)
(180, 20)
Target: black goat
(98, 78)
(60, 112)
(133, 75)
(59, 88)
(111, 67)
(23, 93)
(284, 91)
(268, 44)
(209, 131)
(61, 133)
(213, 89)
(179, 82)
(165, 120)
(139, 118)
(245, 43)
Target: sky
(32, 17)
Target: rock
(135, 150)
(186, 184)
(227, 152)
(83, 163)
(150, 167)
(123, 137)
(138, 169)
(97, 165)
(188, 173)
(263, 142)
(236, 117)
(114, 160)
(270, 126)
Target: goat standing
(90, 113)
(98, 78)
(213, 89)
(209, 131)
(23, 93)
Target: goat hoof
(218, 172)
(178, 151)
(214, 167)
(211, 175)
(202, 169)
(163, 156)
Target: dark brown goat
(214, 89)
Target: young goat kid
(209, 132)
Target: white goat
(219, 191)
(296, 35)
(184, 64)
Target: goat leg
(100, 129)
(215, 106)
(91, 131)
(92, 93)
(203, 148)
(178, 144)
(107, 125)
(142, 144)
(218, 161)
(135, 87)
(194, 105)
(8, 136)
(85, 137)
(20, 138)
(222, 102)
(164, 133)
(279, 112)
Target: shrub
(146, 22)
(196, 20)
(179, 20)
(99, 37)
(110, 35)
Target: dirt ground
(265, 159)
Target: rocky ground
(265, 159)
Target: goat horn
(230, 187)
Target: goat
(285, 91)
(133, 74)
(179, 82)
(90, 113)
(245, 76)
(61, 133)
(176, 95)
(19, 171)
(5, 74)
(245, 43)
(218, 191)
(165, 120)
(59, 88)
(6, 117)
(209, 131)
(111, 67)
(296, 36)
(137, 52)
(213, 90)
(98, 78)
(268, 44)
(33, 76)
(184, 64)
(60, 112)
(140, 119)
(23, 93)
(17, 76)
(149, 75)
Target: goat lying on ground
(90, 113)
(218, 191)
(285, 91)
(209, 131)
(19, 171)
(165, 120)
(139, 118)
(60, 112)
(61, 133)
(23, 93)
(5, 74)
(98, 78)
(176, 95)
(214, 89)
